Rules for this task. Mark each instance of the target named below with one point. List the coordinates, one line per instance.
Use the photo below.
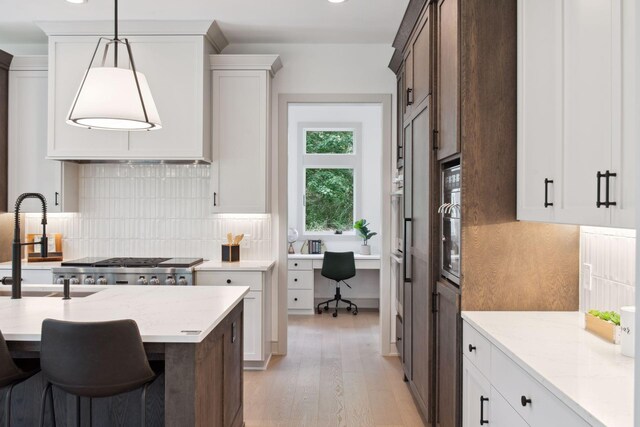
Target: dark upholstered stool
(96, 359)
(338, 266)
(10, 375)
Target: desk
(300, 282)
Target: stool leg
(7, 408)
(143, 403)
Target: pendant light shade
(109, 99)
(113, 98)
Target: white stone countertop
(163, 313)
(585, 372)
(235, 266)
(32, 265)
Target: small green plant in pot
(362, 228)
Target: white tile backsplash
(608, 268)
(152, 210)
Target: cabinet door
(421, 59)
(240, 102)
(29, 171)
(232, 411)
(407, 318)
(420, 258)
(69, 57)
(174, 69)
(448, 72)
(540, 102)
(476, 391)
(589, 97)
(625, 146)
(502, 414)
(448, 352)
(253, 326)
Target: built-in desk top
(363, 262)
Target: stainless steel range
(127, 271)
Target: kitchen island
(192, 336)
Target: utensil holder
(231, 253)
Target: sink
(48, 294)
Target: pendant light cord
(115, 56)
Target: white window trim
(329, 161)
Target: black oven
(450, 222)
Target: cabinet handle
(482, 420)
(295, 299)
(607, 202)
(546, 192)
(409, 96)
(524, 400)
(234, 328)
(598, 202)
(228, 281)
(56, 201)
(295, 265)
(398, 338)
(215, 199)
(472, 348)
(295, 280)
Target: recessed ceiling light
(77, 1)
(337, 1)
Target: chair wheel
(335, 314)
(349, 308)
(319, 311)
(355, 312)
(326, 308)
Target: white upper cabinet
(29, 170)
(241, 86)
(173, 57)
(576, 112)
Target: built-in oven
(450, 222)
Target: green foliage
(362, 228)
(329, 142)
(329, 195)
(607, 316)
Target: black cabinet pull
(409, 96)
(295, 265)
(546, 192)
(215, 197)
(482, 420)
(295, 280)
(607, 202)
(233, 332)
(295, 299)
(398, 338)
(56, 201)
(472, 348)
(228, 281)
(524, 400)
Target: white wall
(320, 69)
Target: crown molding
(30, 63)
(271, 63)
(206, 28)
(5, 59)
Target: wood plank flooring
(332, 376)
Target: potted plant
(605, 324)
(362, 228)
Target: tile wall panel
(608, 268)
(152, 210)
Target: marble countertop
(235, 266)
(588, 374)
(163, 313)
(32, 265)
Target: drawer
(502, 414)
(514, 384)
(252, 279)
(300, 264)
(477, 348)
(300, 299)
(300, 279)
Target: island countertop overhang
(164, 314)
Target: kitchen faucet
(16, 249)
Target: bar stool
(10, 375)
(93, 359)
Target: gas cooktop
(132, 262)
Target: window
(330, 176)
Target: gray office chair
(338, 266)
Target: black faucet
(16, 249)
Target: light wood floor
(333, 375)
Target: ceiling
(242, 21)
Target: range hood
(174, 57)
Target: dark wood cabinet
(448, 326)
(233, 357)
(421, 60)
(448, 79)
(407, 318)
(408, 85)
(5, 61)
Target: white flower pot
(365, 250)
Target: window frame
(329, 161)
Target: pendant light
(113, 98)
